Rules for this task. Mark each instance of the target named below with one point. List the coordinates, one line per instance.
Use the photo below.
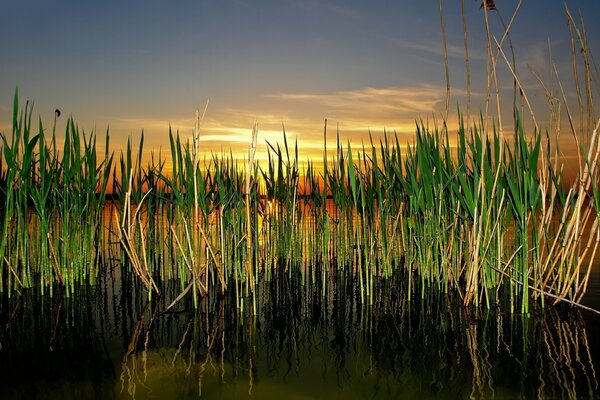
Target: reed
(488, 218)
(52, 204)
(491, 221)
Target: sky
(364, 65)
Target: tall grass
(490, 219)
(52, 204)
(486, 217)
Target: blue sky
(135, 65)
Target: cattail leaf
(352, 175)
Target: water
(110, 342)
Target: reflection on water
(110, 343)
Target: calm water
(112, 343)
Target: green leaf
(352, 175)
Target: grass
(489, 218)
(52, 202)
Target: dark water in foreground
(110, 343)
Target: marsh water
(307, 340)
(109, 341)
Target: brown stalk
(581, 288)
(212, 254)
(590, 175)
(518, 82)
(126, 230)
(588, 79)
(182, 294)
(489, 59)
(572, 27)
(13, 272)
(249, 178)
(445, 62)
(129, 248)
(584, 184)
(475, 234)
(55, 264)
(569, 115)
(506, 35)
(195, 278)
(548, 294)
(467, 62)
(185, 260)
(196, 141)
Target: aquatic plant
(52, 204)
(490, 219)
(475, 211)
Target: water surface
(110, 342)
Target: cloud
(435, 48)
(376, 102)
(353, 113)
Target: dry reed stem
(550, 97)
(182, 294)
(589, 175)
(578, 218)
(129, 248)
(144, 254)
(195, 277)
(137, 218)
(467, 62)
(127, 229)
(575, 68)
(569, 115)
(445, 49)
(518, 82)
(475, 236)
(582, 287)
(489, 59)
(13, 272)
(217, 267)
(553, 296)
(189, 245)
(506, 35)
(182, 251)
(196, 141)
(584, 183)
(249, 178)
(584, 49)
(55, 264)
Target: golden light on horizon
(354, 115)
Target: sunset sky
(133, 65)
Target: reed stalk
(487, 217)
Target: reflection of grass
(298, 342)
(310, 345)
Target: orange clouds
(353, 112)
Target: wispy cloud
(435, 48)
(375, 102)
(354, 113)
